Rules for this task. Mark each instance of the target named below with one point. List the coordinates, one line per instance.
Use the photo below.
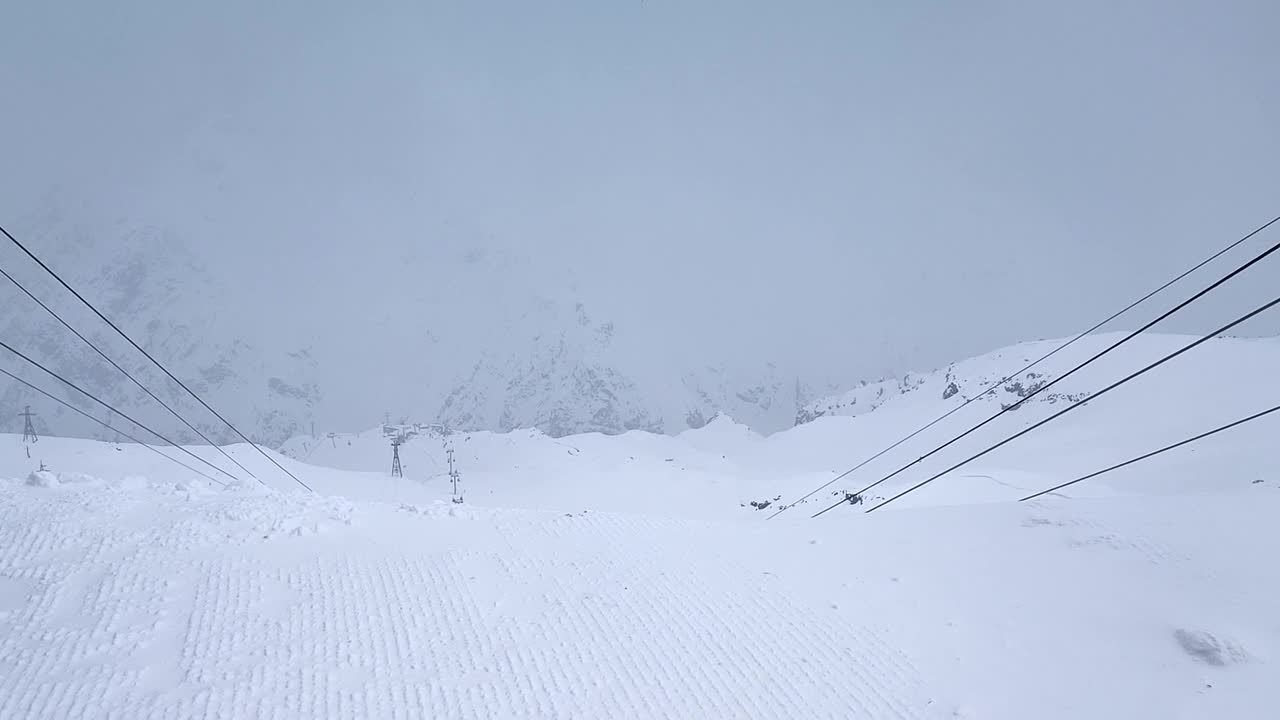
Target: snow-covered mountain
(277, 369)
(1000, 374)
(560, 380)
(574, 379)
(269, 392)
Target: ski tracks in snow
(1084, 531)
(171, 603)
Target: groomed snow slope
(622, 577)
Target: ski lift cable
(126, 373)
(1078, 404)
(107, 425)
(1153, 453)
(103, 403)
(995, 386)
(148, 355)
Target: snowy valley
(639, 361)
(631, 576)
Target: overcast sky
(882, 186)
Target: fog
(847, 189)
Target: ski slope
(712, 472)
(629, 577)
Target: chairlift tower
(455, 477)
(28, 429)
(395, 458)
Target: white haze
(849, 190)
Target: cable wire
(1077, 404)
(148, 355)
(994, 386)
(127, 374)
(1259, 258)
(103, 403)
(108, 426)
(1153, 453)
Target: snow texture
(629, 576)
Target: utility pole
(395, 458)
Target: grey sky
(853, 187)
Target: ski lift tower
(28, 428)
(454, 476)
(29, 431)
(395, 458)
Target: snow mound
(1210, 649)
(46, 478)
(42, 478)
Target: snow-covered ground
(629, 576)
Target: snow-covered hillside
(632, 576)
(167, 597)
(1219, 382)
(1002, 369)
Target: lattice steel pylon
(28, 428)
(395, 459)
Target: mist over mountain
(477, 337)
(587, 216)
(410, 354)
